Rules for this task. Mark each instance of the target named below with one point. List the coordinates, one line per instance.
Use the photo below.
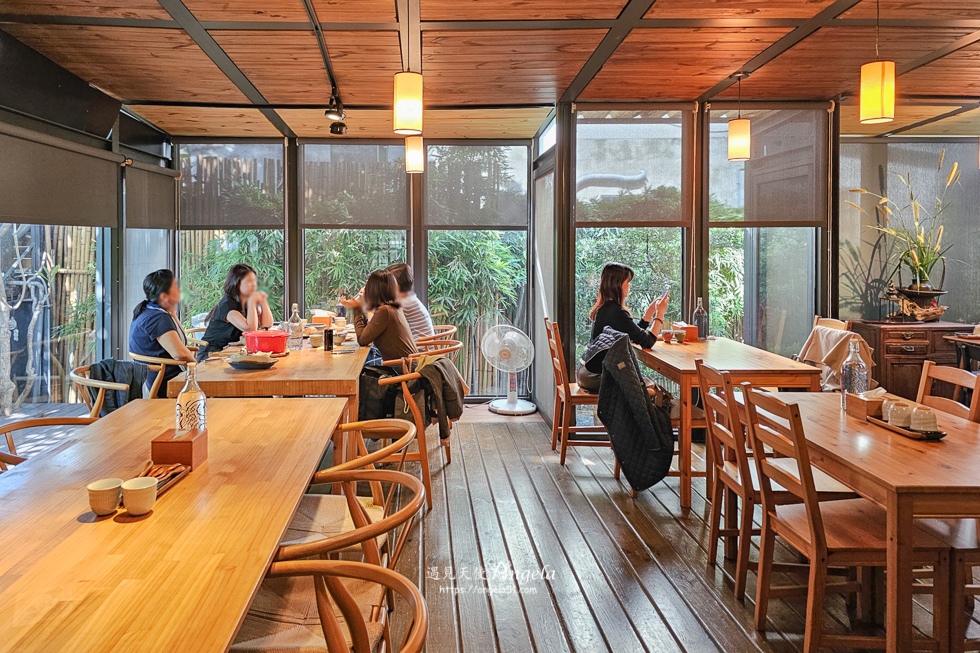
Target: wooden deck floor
(522, 554)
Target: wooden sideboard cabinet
(900, 349)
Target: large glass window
(51, 310)
(476, 214)
(629, 207)
(355, 216)
(764, 219)
(231, 211)
(868, 257)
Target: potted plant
(916, 234)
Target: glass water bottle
(295, 339)
(700, 320)
(853, 373)
(192, 405)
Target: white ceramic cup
(316, 339)
(900, 415)
(103, 495)
(923, 419)
(139, 495)
(340, 322)
(886, 408)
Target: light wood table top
(723, 354)
(304, 372)
(178, 579)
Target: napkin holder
(861, 407)
(190, 448)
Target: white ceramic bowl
(103, 495)
(900, 415)
(923, 419)
(139, 495)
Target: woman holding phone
(610, 310)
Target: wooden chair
(963, 538)
(345, 623)
(960, 379)
(436, 348)
(831, 323)
(80, 377)
(352, 613)
(850, 533)
(440, 332)
(156, 365)
(7, 430)
(326, 515)
(736, 478)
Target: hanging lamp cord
(877, 27)
(739, 98)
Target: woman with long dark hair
(387, 329)
(242, 308)
(611, 310)
(155, 330)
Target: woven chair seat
(325, 515)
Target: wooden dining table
(675, 361)
(304, 372)
(909, 478)
(179, 578)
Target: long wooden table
(304, 372)
(907, 477)
(746, 363)
(178, 579)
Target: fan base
(518, 407)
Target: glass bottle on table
(295, 331)
(192, 405)
(700, 320)
(853, 373)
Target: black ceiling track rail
(824, 17)
(199, 35)
(324, 53)
(928, 121)
(625, 23)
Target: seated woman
(417, 315)
(155, 330)
(388, 329)
(610, 310)
(242, 308)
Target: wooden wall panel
(964, 124)
(911, 9)
(520, 9)
(132, 63)
(503, 67)
(829, 62)
(954, 74)
(465, 123)
(329, 11)
(905, 114)
(736, 8)
(100, 8)
(185, 121)
(676, 64)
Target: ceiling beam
(625, 22)
(323, 105)
(782, 45)
(513, 25)
(211, 25)
(935, 55)
(928, 121)
(908, 22)
(182, 15)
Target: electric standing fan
(508, 349)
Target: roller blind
(151, 201)
(629, 168)
(476, 187)
(229, 186)
(785, 180)
(354, 186)
(44, 180)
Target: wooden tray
(933, 436)
(171, 479)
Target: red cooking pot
(272, 341)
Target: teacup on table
(139, 495)
(924, 419)
(340, 323)
(316, 339)
(680, 335)
(339, 337)
(104, 495)
(900, 415)
(666, 336)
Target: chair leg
(448, 450)
(744, 546)
(568, 410)
(556, 422)
(816, 591)
(423, 444)
(959, 620)
(616, 469)
(941, 582)
(715, 521)
(764, 573)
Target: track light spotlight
(338, 128)
(335, 110)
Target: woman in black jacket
(610, 310)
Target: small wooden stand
(189, 449)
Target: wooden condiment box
(189, 449)
(862, 407)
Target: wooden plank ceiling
(494, 68)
